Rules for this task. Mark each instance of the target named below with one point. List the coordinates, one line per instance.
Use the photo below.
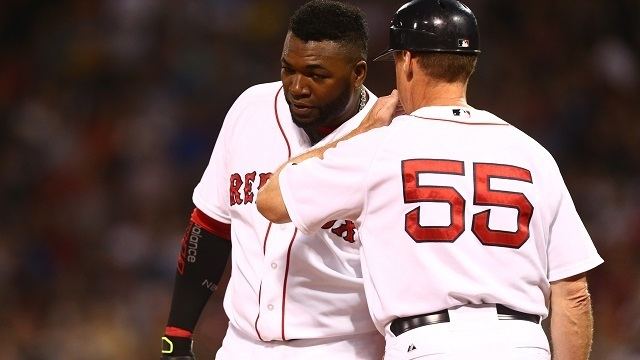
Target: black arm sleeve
(201, 263)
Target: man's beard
(327, 113)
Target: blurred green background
(109, 111)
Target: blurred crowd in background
(109, 111)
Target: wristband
(176, 346)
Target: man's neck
(319, 132)
(439, 94)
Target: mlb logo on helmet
(463, 43)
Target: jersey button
(283, 227)
(270, 307)
(274, 265)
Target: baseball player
(468, 231)
(291, 295)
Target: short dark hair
(448, 67)
(320, 20)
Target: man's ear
(359, 73)
(407, 64)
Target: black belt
(400, 325)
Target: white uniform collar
(299, 138)
(460, 114)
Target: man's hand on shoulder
(381, 114)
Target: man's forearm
(204, 252)
(270, 203)
(571, 319)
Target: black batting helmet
(446, 26)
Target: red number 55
(483, 195)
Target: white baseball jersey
(454, 206)
(284, 284)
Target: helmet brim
(386, 55)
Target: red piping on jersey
(211, 225)
(458, 122)
(286, 276)
(264, 251)
(255, 325)
(275, 108)
(264, 245)
(266, 236)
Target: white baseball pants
(236, 345)
(473, 332)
